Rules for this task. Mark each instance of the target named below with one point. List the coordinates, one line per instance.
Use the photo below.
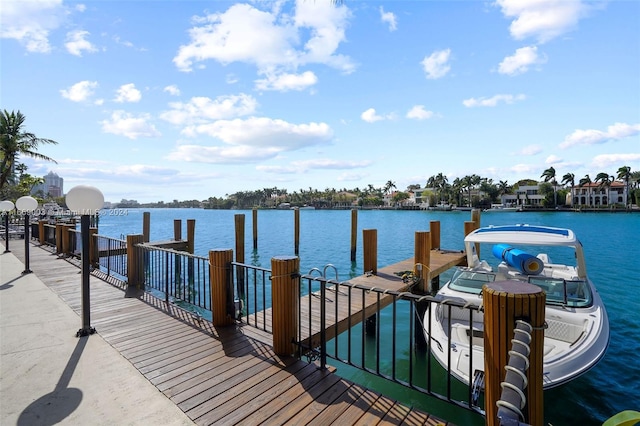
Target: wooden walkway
(226, 375)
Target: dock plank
(221, 375)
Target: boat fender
(523, 261)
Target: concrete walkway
(49, 376)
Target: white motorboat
(577, 327)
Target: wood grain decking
(226, 375)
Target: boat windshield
(576, 294)
(470, 281)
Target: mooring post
(475, 217)
(146, 226)
(370, 263)
(221, 286)
(177, 229)
(191, 235)
(239, 231)
(468, 228)
(296, 231)
(135, 261)
(285, 297)
(255, 229)
(422, 260)
(354, 233)
(434, 230)
(504, 303)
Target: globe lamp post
(6, 206)
(26, 205)
(86, 201)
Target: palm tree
(586, 181)
(14, 141)
(624, 173)
(569, 178)
(387, 187)
(605, 182)
(550, 175)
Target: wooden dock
(343, 311)
(225, 375)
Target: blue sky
(163, 100)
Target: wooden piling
(370, 249)
(135, 261)
(239, 232)
(285, 297)
(468, 228)
(146, 226)
(354, 233)
(504, 303)
(422, 259)
(221, 292)
(255, 229)
(434, 230)
(177, 229)
(296, 231)
(191, 235)
(475, 217)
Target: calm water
(612, 249)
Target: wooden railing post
(135, 261)
(370, 249)
(285, 297)
(59, 233)
(221, 292)
(67, 235)
(354, 233)
(41, 235)
(93, 247)
(504, 303)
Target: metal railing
(112, 256)
(391, 347)
(252, 297)
(180, 277)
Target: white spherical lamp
(26, 204)
(84, 199)
(6, 206)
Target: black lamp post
(85, 201)
(26, 204)
(6, 206)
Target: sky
(179, 100)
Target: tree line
(471, 190)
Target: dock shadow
(54, 407)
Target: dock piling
(285, 302)
(354, 233)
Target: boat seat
(564, 331)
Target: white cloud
(530, 150)
(542, 19)
(493, 101)
(77, 43)
(172, 90)
(30, 22)
(202, 109)
(419, 113)
(606, 160)
(436, 65)
(80, 91)
(251, 140)
(520, 61)
(285, 82)
(125, 124)
(389, 18)
(269, 39)
(614, 132)
(553, 159)
(370, 116)
(128, 93)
